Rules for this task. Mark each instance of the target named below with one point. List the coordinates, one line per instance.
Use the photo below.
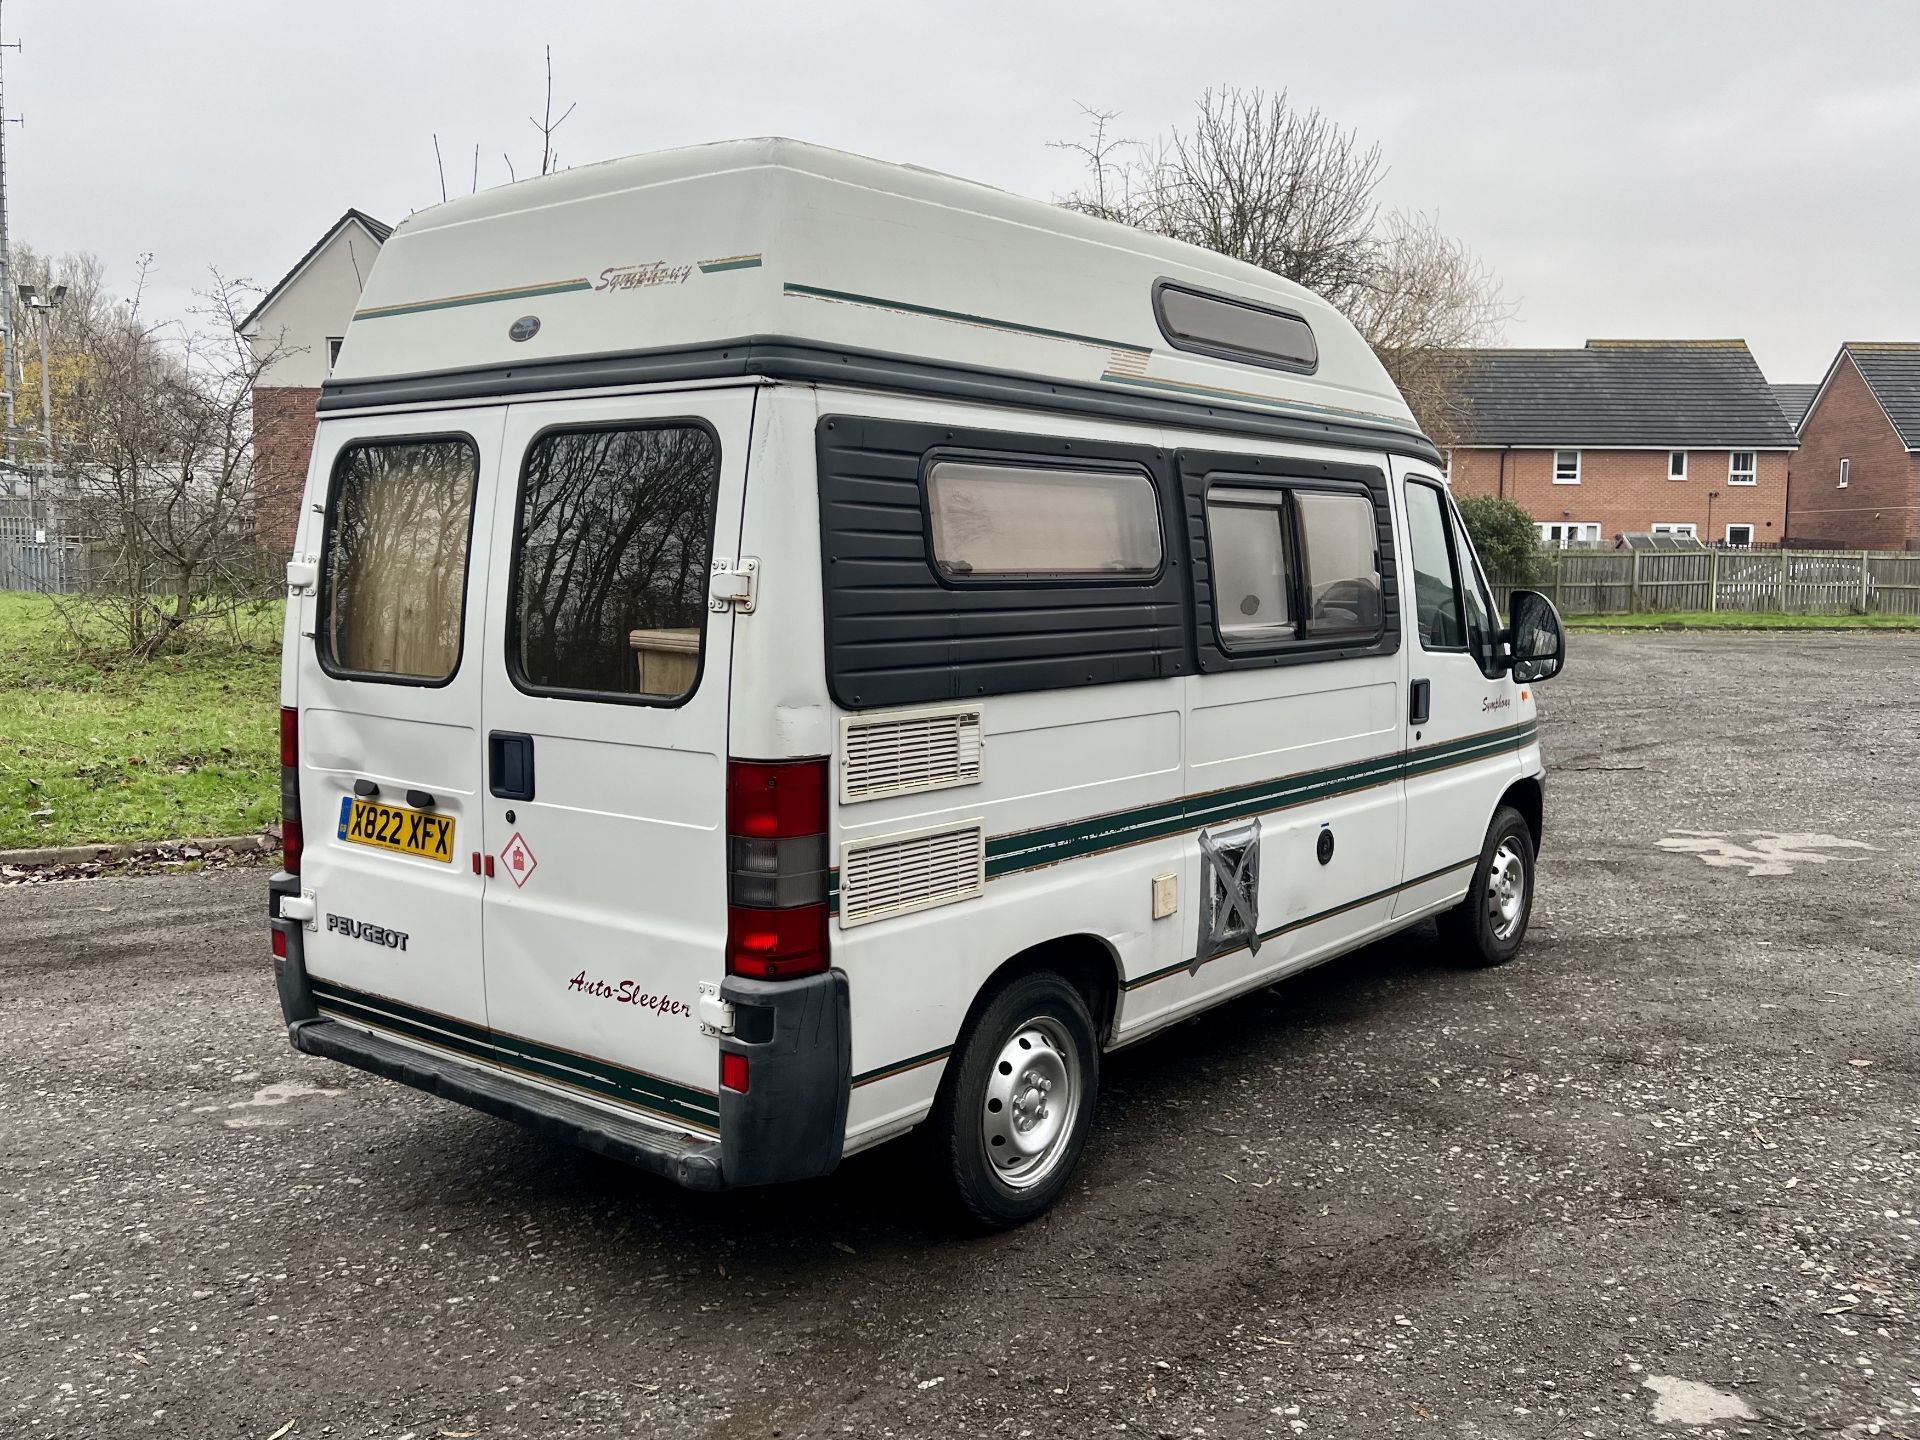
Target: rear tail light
(733, 1071)
(776, 869)
(292, 837)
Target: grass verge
(1740, 620)
(96, 748)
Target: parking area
(1659, 1171)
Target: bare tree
(547, 123)
(1427, 298)
(161, 469)
(1291, 191)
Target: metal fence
(1794, 582)
(39, 549)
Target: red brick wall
(283, 425)
(1877, 510)
(1628, 490)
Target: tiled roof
(1794, 400)
(379, 229)
(1693, 394)
(1892, 372)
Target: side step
(681, 1159)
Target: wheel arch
(1529, 796)
(1086, 961)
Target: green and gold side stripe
(590, 1076)
(1301, 923)
(1012, 327)
(1025, 850)
(901, 1067)
(477, 297)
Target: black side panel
(1199, 469)
(897, 634)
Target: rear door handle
(510, 765)
(1419, 702)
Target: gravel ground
(1671, 1147)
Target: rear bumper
(789, 1124)
(692, 1163)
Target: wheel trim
(1032, 1103)
(1506, 890)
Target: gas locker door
(390, 657)
(606, 719)
(1462, 728)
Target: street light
(43, 311)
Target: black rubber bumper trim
(290, 974)
(791, 1122)
(681, 1159)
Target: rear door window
(615, 537)
(394, 567)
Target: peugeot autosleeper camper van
(784, 649)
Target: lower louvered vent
(898, 874)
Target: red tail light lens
(733, 1071)
(776, 868)
(292, 839)
(776, 944)
(279, 943)
(776, 800)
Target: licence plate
(390, 827)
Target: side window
(615, 534)
(1251, 558)
(394, 564)
(1439, 614)
(1293, 564)
(1341, 539)
(1483, 620)
(992, 521)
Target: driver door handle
(1419, 702)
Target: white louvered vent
(907, 751)
(898, 874)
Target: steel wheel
(1507, 889)
(1032, 1101)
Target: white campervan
(784, 649)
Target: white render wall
(315, 306)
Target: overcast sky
(1671, 169)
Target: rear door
(606, 726)
(390, 663)
(1462, 725)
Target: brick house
(1855, 481)
(1680, 437)
(305, 315)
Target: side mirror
(1536, 639)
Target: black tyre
(1487, 927)
(1017, 1102)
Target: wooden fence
(1795, 582)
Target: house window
(333, 352)
(1674, 527)
(1740, 536)
(1740, 468)
(1845, 467)
(1676, 465)
(1566, 467)
(1559, 534)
